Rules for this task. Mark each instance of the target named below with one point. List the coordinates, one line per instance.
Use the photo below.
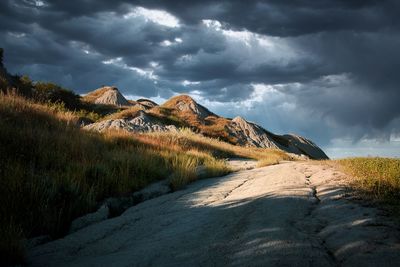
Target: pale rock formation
(147, 103)
(305, 146)
(142, 123)
(251, 134)
(112, 96)
(186, 104)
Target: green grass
(376, 178)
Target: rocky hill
(108, 95)
(141, 123)
(184, 111)
(185, 105)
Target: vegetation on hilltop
(204, 122)
(51, 94)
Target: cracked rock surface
(291, 214)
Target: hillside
(53, 172)
(63, 156)
(107, 109)
(108, 95)
(184, 111)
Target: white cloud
(154, 64)
(169, 43)
(212, 23)
(166, 43)
(249, 50)
(113, 61)
(186, 83)
(119, 62)
(39, 3)
(17, 34)
(156, 16)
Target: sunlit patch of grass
(184, 170)
(124, 114)
(215, 167)
(377, 178)
(189, 140)
(272, 160)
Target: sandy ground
(291, 214)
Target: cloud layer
(325, 69)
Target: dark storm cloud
(319, 55)
(276, 17)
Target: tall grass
(189, 140)
(377, 178)
(52, 172)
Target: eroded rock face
(306, 146)
(251, 134)
(139, 124)
(147, 103)
(112, 96)
(246, 133)
(186, 104)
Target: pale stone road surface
(291, 214)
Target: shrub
(49, 92)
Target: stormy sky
(328, 70)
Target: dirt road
(292, 214)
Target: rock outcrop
(142, 123)
(251, 134)
(187, 112)
(186, 105)
(305, 146)
(112, 97)
(146, 103)
(108, 95)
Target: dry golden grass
(189, 140)
(52, 172)
(376, 178)
(125, 114)
(92, 96)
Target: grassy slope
(377, 178)
(211, 126)
(52, 172)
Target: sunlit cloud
(156, 16)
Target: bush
(3, 84)
(49, 92)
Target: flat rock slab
(292, 214)
(241, 164)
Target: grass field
(375, 178)
(52, 172)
